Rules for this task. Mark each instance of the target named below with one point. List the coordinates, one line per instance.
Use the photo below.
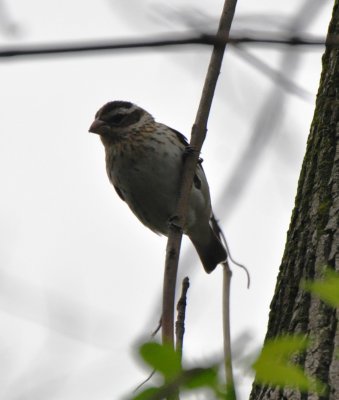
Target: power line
(174, 40)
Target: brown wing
(184, 141)
(181, 137)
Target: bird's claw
(191, 150)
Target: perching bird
(144, 162)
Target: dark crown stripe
(132, 118)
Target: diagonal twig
(180, 323)
(190, 163)
(198, 135)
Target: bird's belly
(149, 183)
(150, 188)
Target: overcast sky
(80, 277)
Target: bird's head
(118, 118)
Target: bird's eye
(116, 119)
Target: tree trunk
(312, 243)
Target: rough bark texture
(312, 243)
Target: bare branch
(180, 323)
(190, 163)
(217, 229)
(227, 274)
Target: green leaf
(201, 377)
(327, 289)
(162, 358)
(274, 365)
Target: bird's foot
(191, 150)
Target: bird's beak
(99, 127)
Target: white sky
(80, 277)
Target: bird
(144, 161)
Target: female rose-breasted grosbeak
(144, 161)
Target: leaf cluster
(276, 365)
(167, 364)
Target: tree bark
(312, 244)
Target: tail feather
(210, 250)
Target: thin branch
(173, 40)
(180, 323)
(227, 274)
(222, 237)
(157, 329)
(226, 312)
(144, 381)
(190, 163)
